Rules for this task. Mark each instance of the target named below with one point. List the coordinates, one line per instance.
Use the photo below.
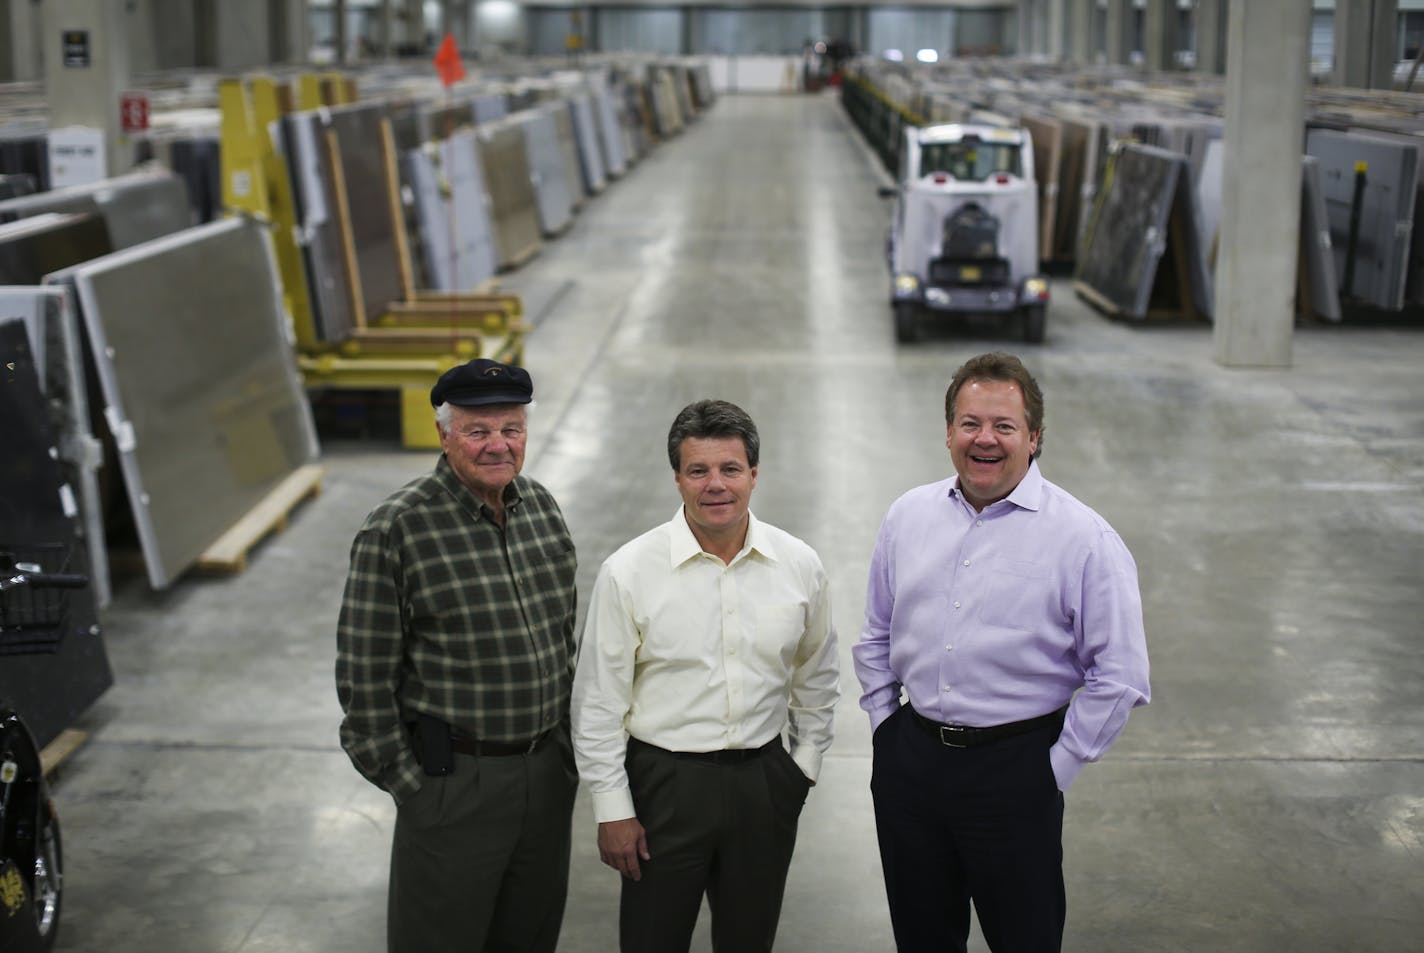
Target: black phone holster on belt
(432, 746)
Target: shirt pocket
(434, 606)
(777, 632)
(1017, 595)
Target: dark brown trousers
(721, 829)
(480, 859)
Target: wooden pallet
(64, 744)
(229, 553)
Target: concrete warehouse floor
(1270, 798)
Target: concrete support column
(1035, 26)
(20, 41)
(1057, 29)
(339, 37)
(1117, 22)
(1364, 43)
(1267, 61)
(387, 34)
(460, 17)
(1211, 36)
(288, 32)
(86, 69)
(415, 25)
(692, 31)
(1159, 34)
(1080, 30)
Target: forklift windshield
(970, 160)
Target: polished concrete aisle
(1271, 798)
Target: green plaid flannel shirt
(448, 615)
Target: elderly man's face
(485, 446)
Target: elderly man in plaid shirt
(455, 654)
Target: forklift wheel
(1034, 319)
(49, 878)
(907, 322)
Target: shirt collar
(1027, 495)
(683, 545)
(445, 475)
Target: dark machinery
(31, 857)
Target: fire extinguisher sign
(133, 112)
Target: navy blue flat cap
(480, 382)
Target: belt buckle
(944, 733)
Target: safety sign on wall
(133, 112)
(75, 44)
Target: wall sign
(75, 44)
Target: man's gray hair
(443, 412)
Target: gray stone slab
(1318, 255)
(194, 357)
(137, 206)
(303, 143)
(1379, 273)
(590, 150)
(451, 207)
(553, 199)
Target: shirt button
(956, 605)
(966, 562)
(949, 648)
(946, 689)
(978, 522)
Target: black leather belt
(724, 756)
(495, 749)
(966, 736)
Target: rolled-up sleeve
(1112, 651)
(880, 688)
(815, 682)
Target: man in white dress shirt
(706, 637)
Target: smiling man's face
(989, 440)
(716, 484)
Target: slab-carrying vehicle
(964, 237)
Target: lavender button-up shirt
(1002, 615)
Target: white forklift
(965, 233)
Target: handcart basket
(34, 604)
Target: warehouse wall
(241, 34)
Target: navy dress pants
(981, 824)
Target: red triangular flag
(447, 61)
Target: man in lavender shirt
(1008, 612)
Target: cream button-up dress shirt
(687, 653)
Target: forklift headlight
(906, 285)
(1036, 289)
